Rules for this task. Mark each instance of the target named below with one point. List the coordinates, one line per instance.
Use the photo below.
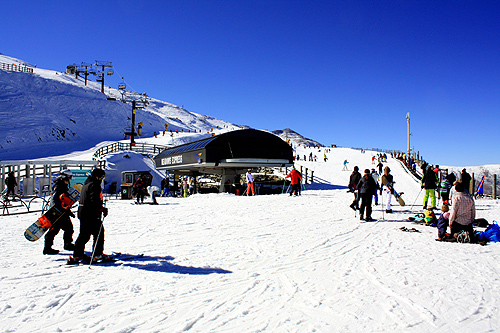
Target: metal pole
(408, 122)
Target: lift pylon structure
(103, 65)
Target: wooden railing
(16, 68)
(143, 148)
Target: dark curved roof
(236, 149)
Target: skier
(294, 176)
(376, 178)
(250, 182)
(324, 157)
(185, 187)
(387, 179)
(60, 187)
(90, 210)
(353, 187)
(429, 182)
(345, 166)
(11, 184)
(139, 189)
(366, 187)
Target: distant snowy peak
(10, 60)
(295, 137)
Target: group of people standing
(367, 187)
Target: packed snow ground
(222, 263)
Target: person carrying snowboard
(90, 212)
(295, 177)
(387, 181)
(366, 187)
(61, 187)
(353, 187)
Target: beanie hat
(98, 173)
(367, 171)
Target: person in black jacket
(429, 183)
(466, 179)
(60, 187)
(353, 187)
(366, 187)
(11, 184)
(89, 212)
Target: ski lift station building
(227, 154)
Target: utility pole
(409, 134)
(103, 65)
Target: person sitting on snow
(463, 212)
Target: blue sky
(339, 72)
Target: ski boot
(50, 250)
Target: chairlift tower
(86, 69)
(139, 101)
(103, 65)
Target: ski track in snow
(221, 263)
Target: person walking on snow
(60, 188)
(366, 187)
(90, 212)
(387, 179)
(376, 178)
(250, 182)
(140, 189)
(295, 178)
(353, 187)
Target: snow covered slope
(51, 113)
(222, 263)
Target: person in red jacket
(294, 176)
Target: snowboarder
(353, 187)
(387, 179)
(429, 183)
(324, 157)
(366, 187)
(185, 187)
(90, 210)
(250, 182)
(61, 185)
(294, 176)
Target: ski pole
(283, 189)
(382, 206)
(411, 209)
(96, 242)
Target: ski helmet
(66, 174)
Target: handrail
(16, 68)
(143, 148)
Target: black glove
(104, 211)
